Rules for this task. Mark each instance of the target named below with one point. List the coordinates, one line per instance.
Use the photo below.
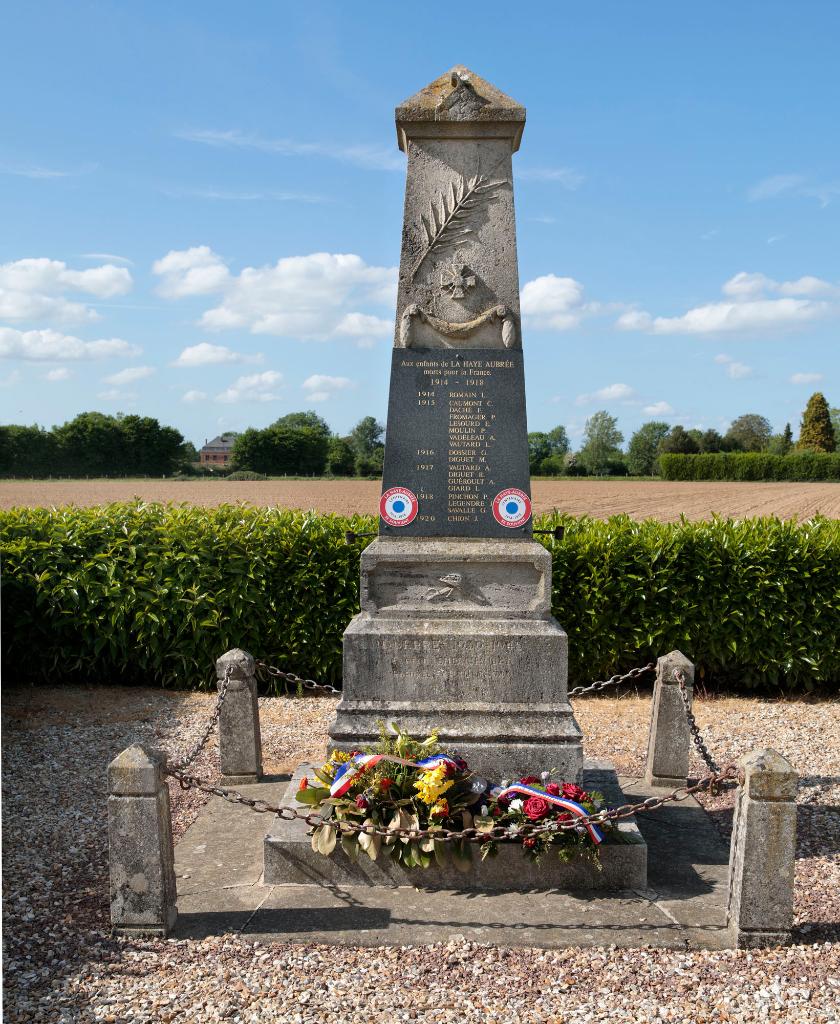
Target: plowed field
(600, 498)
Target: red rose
(529, 780)
(362, 802)
(535, 807)
(564, 816)
(386, 784)
(553, 788)
(497, 812)
(529, 844)
(573, 792)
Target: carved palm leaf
(447, 223)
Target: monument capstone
(455, 630)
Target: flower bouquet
(409, 784)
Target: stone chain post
(669, 740)
(763, 852)
(141, 854)
(240, 745)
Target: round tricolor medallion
(398, 506)
(512, 507)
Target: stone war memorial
(455, 641)
(455, 629)
(455, 632)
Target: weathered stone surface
(762, 853)
(219, 863)
(453, 633)
(240, 744)
(669, 739)
(427, 653)
(140, 845)
(456, 578)
(290, 859)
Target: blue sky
(201, 203)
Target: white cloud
(205, 354)
(115, 395)
(35, 288)
(195, 271)
(611, 393)
(806, 378)
(59, 373)
(194, 396)
(734, 369)
(751, 308)
(258, 387)
(380, 158)
(798, 185)
(319, 387)
(305, 297)
(48, 344)
(39, 173)
(364, 328)
(554, 302)
(563, 176)
(225, 195)
(108, 256)
(635, 320)
(129, 375)
(658, 409)
(11, 380)
(356, 324)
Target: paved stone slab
(685, 901)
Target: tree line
(601, 453)
(302, 444)
(95, 444)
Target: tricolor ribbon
(559, 801)
(347, 773)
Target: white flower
(484, 810)
(515, 805)
(545, 776)
(513, 830)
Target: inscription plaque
(457, 439)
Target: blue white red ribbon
(347, 773)
(559, 801)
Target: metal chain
(290, 677)
(616, 680)
(578, 691)
(702, 749)
(193, 753)
(714, 782)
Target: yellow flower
(432, 785)
(440, 810)
(328, 769)
(339, 757)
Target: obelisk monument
(455, 629)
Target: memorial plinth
(455, 630)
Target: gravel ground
(61, 965)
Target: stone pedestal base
(457, 635)
(290, 860)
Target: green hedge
(145, 593)
(751, 466)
